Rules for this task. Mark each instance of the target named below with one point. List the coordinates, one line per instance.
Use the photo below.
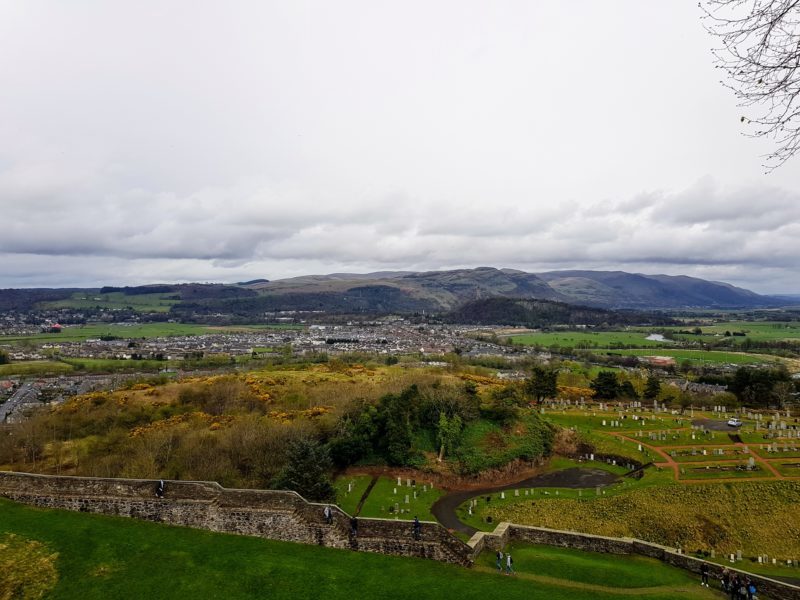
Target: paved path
(444, 509)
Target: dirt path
(668, 460)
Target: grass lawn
(788, 468)
(653, 477)
(586, 419)
(624, 571)
(684, 438)
(348, 501)
(758, 517)
(723, 470)
(99, 557)
(382, 497)
(730, 453)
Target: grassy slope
(106, 557)
(756, 517)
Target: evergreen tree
(542, 383)
(605, 385)
(307, 471)
(652, 388)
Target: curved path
(444, 509)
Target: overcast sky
(220, 141)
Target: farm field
(35, 368)
(588, 340)
(69, 555)
(712, 356)
(754, 330)
(145, 330)
(159, 302)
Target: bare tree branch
(760, 54)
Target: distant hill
(617, 289)
(439, 292)
(546, 313)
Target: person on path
(704, 574)
(500, 560)
(725, 579)
(160, 487)
(509, 565)
(353, 526)
(733, 590)
(417, 528)
(752, 592)
(328, 514)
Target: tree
(307, 471)
(652, 388)
(760, 54)
(448, 431)
(605, 385)
(627, 390)
(542, 383)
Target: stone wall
(277, 515)
(508, 532)
(286, 516)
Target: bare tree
(760, 54)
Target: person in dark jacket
(704, 574)
(160, 488)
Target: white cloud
(190, 141)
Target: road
(24, 394)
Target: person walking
(725, 579)
(328, 514)
(417, 528)
(353, 526)
(500, 560)
(160, 487)
(509, 565)
(704, 574)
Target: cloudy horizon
(176, 142)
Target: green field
(588, 339)
(735, 358)
(116, 300)
(754, 330)
(70, 555)
(77, 333)
(35, 368)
